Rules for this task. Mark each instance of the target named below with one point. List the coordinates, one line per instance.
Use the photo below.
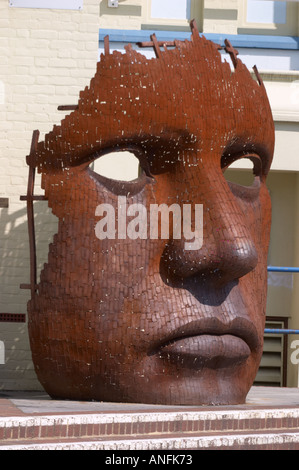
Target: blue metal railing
(282, 269)
(281, 331)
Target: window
(174, 14)
(268, 17)
(171, 9)
(267, 12)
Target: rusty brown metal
(232, 52)
(67, 107)
(160, 43)
(147, 319)
(194, 28)
(30, 216)
(39, 197)
(28, 286)
(258, 76)
(156, 46)
(106, 45)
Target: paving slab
(16, 403)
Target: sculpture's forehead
(190, 78)
(187, 92)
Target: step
(182, 442)
(200, 429)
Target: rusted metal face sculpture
(146, 319)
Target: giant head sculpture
(153, 318)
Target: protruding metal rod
(156, 46)
(30, 215)
(106, 45)
(33, 198)
(232, 52)
(257, 74)
(67, 107)
(160, 43)
(194, 28)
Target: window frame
(196, 12)
(290, 28)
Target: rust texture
(146, 320)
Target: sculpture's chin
(178, 380)
(211, 389)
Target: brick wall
(47, 57)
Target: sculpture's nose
(227, 251)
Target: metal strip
(30, 216)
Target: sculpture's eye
(123, 172)
(120, 166)
(243, 174)
(243, 170)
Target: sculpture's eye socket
(120, 166)
(123, 172)
(243, 174)
(244, 170)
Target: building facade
(50, 54)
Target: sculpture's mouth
(206, 350)
(210, 343)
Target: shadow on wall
(14, 253)
(16, 367)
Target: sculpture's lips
(209, 340)
(207, 350)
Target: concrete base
(32, 421)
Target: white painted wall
(47, 57)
